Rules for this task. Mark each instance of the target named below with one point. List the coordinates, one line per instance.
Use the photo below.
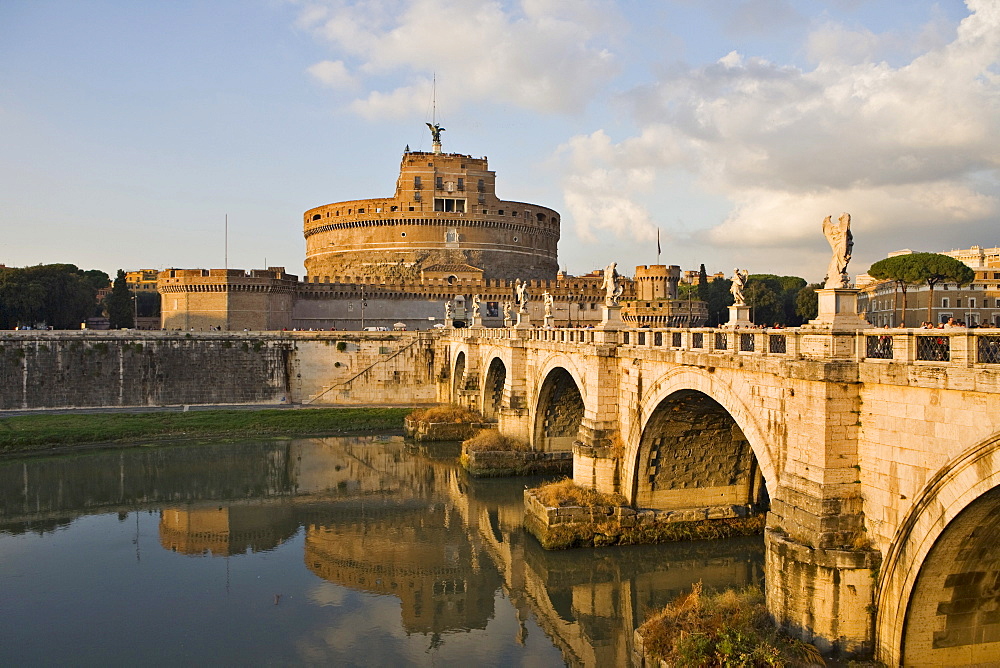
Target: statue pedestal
(838, 310)
(523, 321)
(507, 322)
(549, 321)
(449, 323)
(612, 318)
(739, 316)
(477, 322)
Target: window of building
(481, 186)
(316, 217)
(461, 183)
(361, 210)
(439, 182)
(958, 302)
(402, 234)
(972, 302)
(449, 205)
(500, 212)
(945, 302)
(417, 183)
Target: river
(313, 551)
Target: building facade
(976, 304)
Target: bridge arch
(940, 580)
(697, 394)
(458, 374)
(560, 405)
(493, 388)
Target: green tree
(773, 298)
(58, 295)
(119, 303)
(807, 303)
(915, 268)
(702, 281)
(717, 299)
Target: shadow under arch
(939, 586)
(458, 378)
(691, 455)
(746, 421)
(558, 412)
(496, 379)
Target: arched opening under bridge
(953, 616)
(496, 378)
(560, 412)
(458, 381)
(693, 455)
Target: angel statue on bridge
(842, 244)
(739, 282)
(613, 286)
(521, 294)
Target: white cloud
(332, 73)
(543, 55)
(900, 147)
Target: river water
(320, 551)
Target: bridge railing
(955, 346)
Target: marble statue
(475, 306)
(613, 285)
(548, 303)
(521, 290)
(447, 310)
(739, 282)
(842, 244)
(507, 306)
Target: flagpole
(657, 245)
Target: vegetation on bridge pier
(730, 628)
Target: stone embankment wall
(131, 368)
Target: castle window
(393, 208)
(411, 208)
(316, 217)
(514, 213)
(500, 212)
(417, 184)
(439, 182)
(540, 217)
(449, 205)
(482, 186)
(461, 183)
(361, 210)
(515, 239)
(402, 234)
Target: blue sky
(130, 129)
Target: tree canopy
(119, 303)
(58, 295)
(916, 268)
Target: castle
(409, 260)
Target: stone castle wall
(108, 369)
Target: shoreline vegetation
(728, 628)
(47, 433)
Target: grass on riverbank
(42, 432)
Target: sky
(131, 131)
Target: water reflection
(378, 516)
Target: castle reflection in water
(382, 516)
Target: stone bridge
(877, 453)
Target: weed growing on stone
(730, 628)
(565, 492)
(489, 440)
(448, 413)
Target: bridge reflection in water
(382, 517)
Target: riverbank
(46, 433)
